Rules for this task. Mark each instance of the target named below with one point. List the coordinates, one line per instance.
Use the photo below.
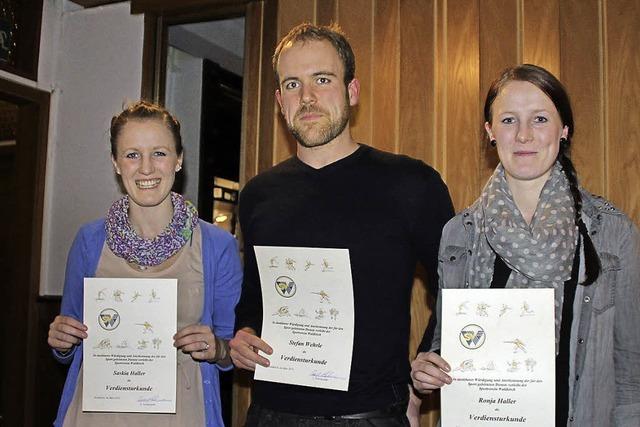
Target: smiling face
(147, 161)
(527, 128)
(312, 95)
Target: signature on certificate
(152, 399)
(326, 375)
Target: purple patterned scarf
(125, 243)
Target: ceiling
(220, 41)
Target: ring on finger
(206, 346)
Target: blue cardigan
(222, 281)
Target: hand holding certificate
(500, 344)
(308, 317)
(129, 361)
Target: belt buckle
(331, 417)
(334, 417)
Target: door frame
(20, 302)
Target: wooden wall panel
(541, 34)
(428, 69)
(417, 98)
(267, 85)
(253, 156)
(385, 75)
(623, 104)
(416, 138)
(251, 89)
(583, 78)
(288, 17)
(462, 115)
(257, 133)
(440, 73)
(326, 11)
(498, 40)
(499, 49)
(356, 19)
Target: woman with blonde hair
(153, 232)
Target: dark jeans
(259, 416)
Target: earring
(493, 142)
(564, 142)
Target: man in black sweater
(388, 210)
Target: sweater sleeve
(434, 209)
(82, 262)
(249, 309)
(227, 288)
(73, 293)
(626, 338)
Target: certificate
(308, 319)
(500, 344)
(129, 362)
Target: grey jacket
(604, 381)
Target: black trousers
(394, 416)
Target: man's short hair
(331, 33)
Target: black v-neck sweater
(388, 210)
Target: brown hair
(554, 89)
(331, 33)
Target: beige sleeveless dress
(187, 268)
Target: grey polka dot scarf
(539, 254)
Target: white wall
(184, 100)
(92, 63)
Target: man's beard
(322, 135)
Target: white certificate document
(308, 319)
(500, 344)
(129, 362)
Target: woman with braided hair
(153, 232)
(535, 227)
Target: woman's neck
(148, 222)
(526, 195)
